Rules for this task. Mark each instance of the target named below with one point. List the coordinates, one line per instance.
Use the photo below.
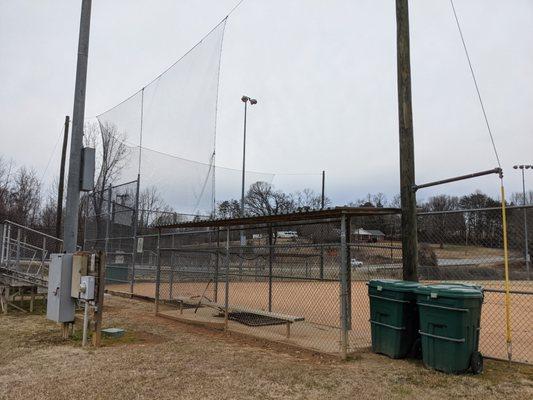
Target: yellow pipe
(506, 264)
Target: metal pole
(526, 241)
(61, 185)
(73, 185)
(323, 190)
(18, 247)
(4, 239)
(270, 256)
(135, 218)
(217, 264)
(8, 245)
(345, 295)
(171, 275)
(158, 272)
(108, 220)
(243, 164)
(85, 324)
(407, 154)
(226, 291)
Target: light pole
(526, 242)
(245, 100)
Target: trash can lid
(453, 290)
(394, 285)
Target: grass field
(160, 359)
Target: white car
(356, 263)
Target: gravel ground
(160, 359)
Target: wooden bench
(288, 319)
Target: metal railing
(25, 252)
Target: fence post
(171, 274)
(158, 272)
(135, 222)
(345, 289)
(226, 293)
(18, 247)
(8, 245)
(215, 296)
(108, 220)
(44, 251)
(270, 254)
(4, 232)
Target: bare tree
(308, 199)
(5, 183)
(112, 156)
(262, 199)
(228, 209)
(25, 196)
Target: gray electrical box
(60, 306)
(88, 160)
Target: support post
(4, 242)
(226, 290)
(323, 197)
(18, 247)
(345, 288)
(158, 272)
(217, 265)
(99, 307)
(108, 219)
(270, 260)
(61, 184)
(8, 245)
(135, 224)
(407, 156)
(171, 274)
(527, 257)
(73, 185)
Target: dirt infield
(318, 303)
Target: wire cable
(52, 154)
(475, 83)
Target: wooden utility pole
(407, 153)
(61, 186)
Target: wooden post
(407, 156)
(99, 309)
(345, 287)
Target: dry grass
(162, 359)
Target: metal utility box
(88, 160)
(60, 306)
(88, 284)
(80, 262)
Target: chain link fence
(300, 283)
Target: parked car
(356, 263)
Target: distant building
(368, 235)
(287, 234)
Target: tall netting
(174, 114)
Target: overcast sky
(324, 73)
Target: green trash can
(393, 317)
(449, 326)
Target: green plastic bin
(449, 326)
(393, 317)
